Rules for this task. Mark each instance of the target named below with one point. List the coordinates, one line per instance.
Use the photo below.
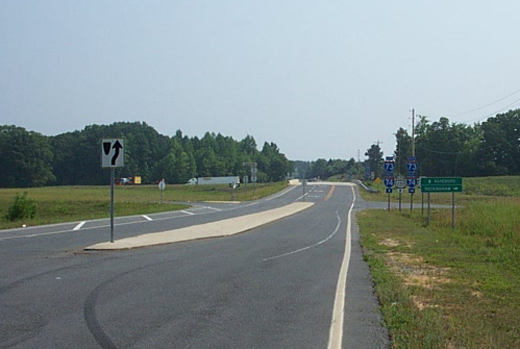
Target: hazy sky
(318, 78)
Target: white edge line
(79, 226)
(308, 247)
(188, 213)
(147, 218)
(338, 313)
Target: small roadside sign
(411, 165)
(411, 181)
(112, 153)
(400, 183)
(389, 182)
(162, 185)
(389, 164)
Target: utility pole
(398, 152)
(413, 132)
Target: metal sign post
(254, 171)
(112, 156)
(400, 183)
(452, 210)
(112, 189)
(428, 222)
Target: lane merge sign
(441, 184)
(112, 153)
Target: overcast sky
(318, 78)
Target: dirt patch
(390, 243)
(415, 272)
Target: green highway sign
(441, 184)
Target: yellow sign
(137, 180)
(378, 180)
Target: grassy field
(74, 203)
(450, 288)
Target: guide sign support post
(112, 157)
(389, 179)
(442, 185)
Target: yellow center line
(330, 193)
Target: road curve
(275, 286)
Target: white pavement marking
(280, 194)
(79, 226)
(147, 218)
(212, 208)
(308, 247)
(188, 213)
(301, 197)
(338, 313)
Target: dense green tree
(500, 147)
(445, 149)
(375, 160)
(26, 158)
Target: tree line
(324, 169)
(442, 148)
(31, 159)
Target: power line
(501, 110)
(466, 151)
(487, 105)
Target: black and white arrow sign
(112, 153)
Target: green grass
(449, 288)
(74, 203)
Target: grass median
(449, 288)
(76, 203)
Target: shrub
(23, 207)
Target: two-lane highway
(272, 287)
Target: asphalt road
(271, 287)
